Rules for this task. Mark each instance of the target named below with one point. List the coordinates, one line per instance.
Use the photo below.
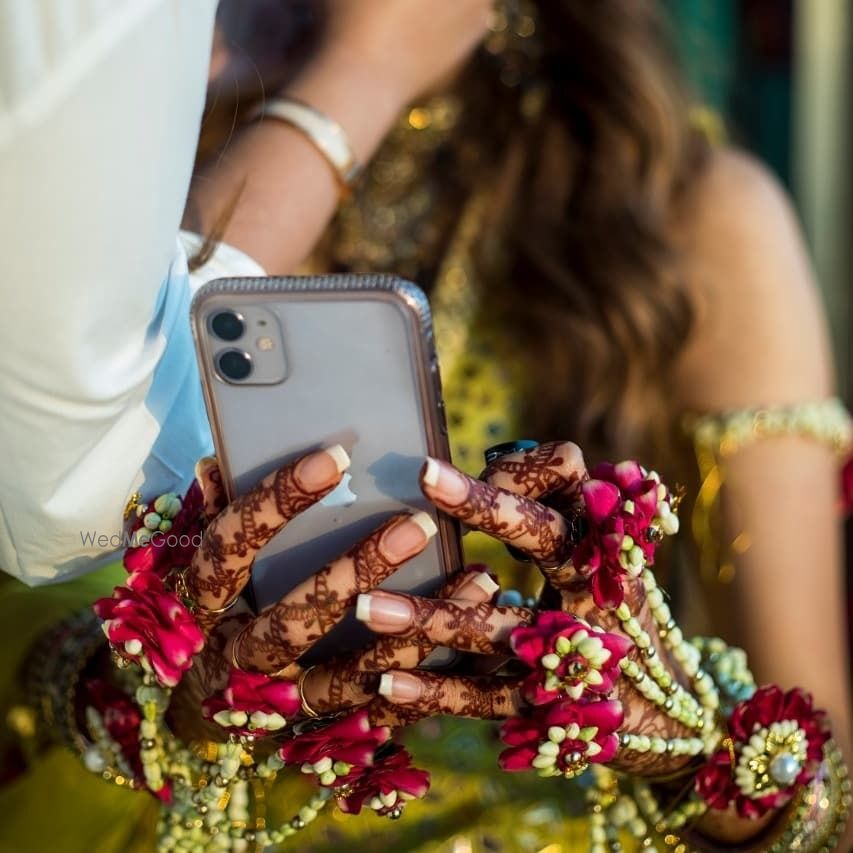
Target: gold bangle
(323, 132)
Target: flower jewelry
(563, 738)
(166, 534)
(332, 753)
(568, 657)
(253, 704)
(628, 511)
(386, 786)
(776, 744)
(147, 624)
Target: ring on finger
(234, 662)
(300, 686)
(183, 591)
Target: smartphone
(289, 365)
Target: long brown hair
(591, 285)
(595, 293)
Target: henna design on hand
(221, 566)
(555, 470)
(345, 680)
(308, 612)
(478, 627)
(514, 519)
(488, 698)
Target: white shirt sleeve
(100, 106)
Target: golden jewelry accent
(717, 437)
(234, 662)
(729, 744)
(183, 592)
(300, 686)
(132, 503)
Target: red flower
(147, 624)
(563, 738)
(568, 657)
(121, 719)
(778, 742)
(337, 750)
(253, 703)
(386, 786)
(168, 532)
(621, 503)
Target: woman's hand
(508, 503)
(272, 641)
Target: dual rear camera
(233, 365)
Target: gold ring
(183, 591)
(300, 685)
(234, 662)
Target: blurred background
(775, 75)
(768, 75)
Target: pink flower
(568, 657)
(172, 543)
(253, 703)
(147, 624)
(621, 503)
(563, 738)
(778, 742)
(386, 786)
(337, 750)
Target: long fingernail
(321, 469)
(407, 537)
(204, 465)
(445, 482)
(486, 583)
(400, 687)
(383, 611)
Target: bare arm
(761, 339)
(376, 56)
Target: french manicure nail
(486, 583)
(432, 471)
(322, 468)
(445, 482)
(340, 456)
(408, 537)
(400, 687)
(381, 610)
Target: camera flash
(265, 344)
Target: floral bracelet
(758, 747)
(154, 637)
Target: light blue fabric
(175, 398)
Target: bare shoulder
(760, 334)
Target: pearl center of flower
(772, 759)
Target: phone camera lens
(234, 365)
(227, 326)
